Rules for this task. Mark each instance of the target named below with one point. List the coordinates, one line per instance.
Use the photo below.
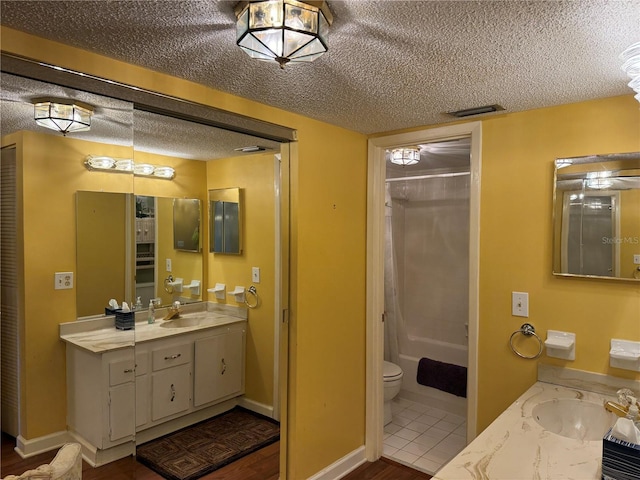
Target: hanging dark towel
(443, 376)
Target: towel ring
(252, 291)
(527, 330)
(167, 284)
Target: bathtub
(417, 348)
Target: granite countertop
(516, 447)
(99, 335)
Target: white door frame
(375, 272)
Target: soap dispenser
(151, 314)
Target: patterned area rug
(200, 449)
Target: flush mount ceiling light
(126, 165)
(631, 66)
(64, 116)
(283, 30)
(405, 156)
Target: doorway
(376, 269)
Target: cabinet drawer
(142, 363)
(171, 356)
(121, 371)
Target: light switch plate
(636, 259)
(63, 280)
(519, 304)
(255, 274)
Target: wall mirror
(115, 214)
(225, 221)
(122, 244)
(596, 207)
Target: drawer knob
(129, 370)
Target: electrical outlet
(255, 274)
(636, 259)
(168, 265)
(63, 280)
(519, 304)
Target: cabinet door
(218, 367)
(142, 400)
(121, 411)
(170, 391)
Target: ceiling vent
(467, 112)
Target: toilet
(392, 374)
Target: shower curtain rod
(421, 177)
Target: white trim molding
(375, 272)
(28, 448)
(341, 467)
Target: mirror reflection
(104, 225)
(186, 224)
(597, 216)
(116, 235)
(225, 221)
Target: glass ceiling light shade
(143, 169)
(126, 165)
(405, 156)
(164, 172)
(631, 66)
(283, 30)
(64, 116)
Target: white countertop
(516, 447)
(100, 335)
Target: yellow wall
(518, 151)
(254, 175)
(100, 250)
(629, 240)
(328, 238)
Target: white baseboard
(261, 408)
(343, 466)
(99, 457)
(28, 448)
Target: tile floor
(423, 437)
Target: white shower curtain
(393, 312)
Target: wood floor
(260, 465)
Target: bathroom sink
(574, 418)
(183, 322)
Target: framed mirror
(225, 221)
(596, 210)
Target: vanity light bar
(126, 165)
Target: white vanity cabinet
(219, 366)
(101, 395)
(171, 378)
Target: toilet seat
(391, 371)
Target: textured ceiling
(390, 65)
(116, 122)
